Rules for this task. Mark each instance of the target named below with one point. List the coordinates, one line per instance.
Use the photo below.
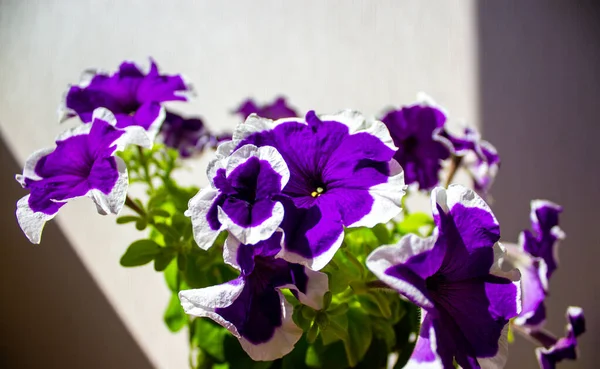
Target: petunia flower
(543, 241)
(276, 110)
(342, 174)
(132, 95)
(252, 306)
(83, 163)
(188, 135)
(565, 347)
(536, 257)
(479, 157)
(241, 198)
(455, 277)
(416, 131)
(534, 286)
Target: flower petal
(312, 235)
(406, 265)
(31, 222)
(143, 127)
(425, 354)
(203, 302)
(112, 202)
(199, 209)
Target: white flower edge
(198, 208)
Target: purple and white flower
(455, 277)
(536, 256)
(543, 241)
(534, 286)
(135, 97)
(252, 306)
(342, 174)
(83, 163)
(564, 348)
(188, 135)
(242, 198)
(417, 132)
(479, 157)
(278, 109)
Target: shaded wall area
(540, 97)
(53, 313)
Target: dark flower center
(434, 283)
(410, 143)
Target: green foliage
(140, 252)
(418, 223)
(175, 318)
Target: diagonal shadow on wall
(539, 73)
(52, 313)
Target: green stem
(145, 167)
(133, 206)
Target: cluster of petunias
(285, 188)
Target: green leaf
(312, 333)
(418, 223)
(336, 330)
(164, 258)
(140, 252)
(181, 261)
(127, 219)
(172, 277)
(169, 233)
(382, 233)
(330, 356)
(295, 359)
(299, 318)
(175, 317)
(210, 338)
(408, 325)
(383, 330)
(141, 224)
(360, 336)
(376, 356)
(159, 213)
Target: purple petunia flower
(455, 277)
(416, 130)
(479, 157)
(566, 347)
(276, 110)
(252, 306)
(536, 257)
(188, 135)
(543, 241)
(83, 163)
(242, 196)
(534, 286)
(342, 174)
(132, 95)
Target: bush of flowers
(301, 252)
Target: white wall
(324, 55)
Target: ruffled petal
(31, 222)
(205, 224)
(406, 265)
